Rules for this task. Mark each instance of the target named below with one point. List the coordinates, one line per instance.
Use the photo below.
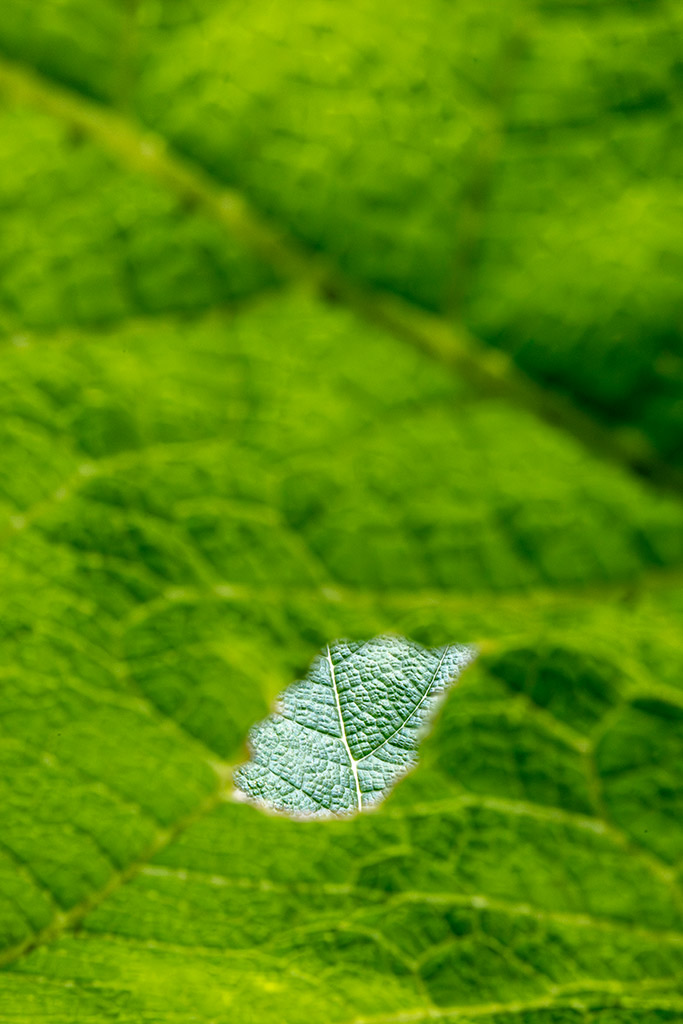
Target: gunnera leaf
(340, 739)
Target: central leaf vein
(344, 739)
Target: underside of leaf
(340, 739)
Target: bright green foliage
(202, 505)
(84, 242)
(198, 493)
(518, 168)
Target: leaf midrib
(490, 370)
(342, 727)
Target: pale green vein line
(406, 600)
(328, 592)
(371, 899)
(258, 885)
(664, 872)
(245, 961)
(491, 371)
(599, 996)
(479, 901)
(300, 936)
(70, 919)
(519, 708)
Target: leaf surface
(186, 547)
(205, 476)
(517, 173)
(342, 737)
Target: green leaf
(459, 417)
(342, 737)
(190, 510)
(517, 172)
(86, 242)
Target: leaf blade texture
(331, 320)
(340, 739)
(543, 812)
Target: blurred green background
(514, 167)
(323, 320)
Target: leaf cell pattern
(342, 737)
(340, 320)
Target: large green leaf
(197, 493)
(516, 169)
(190, 510)
(85, 242)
